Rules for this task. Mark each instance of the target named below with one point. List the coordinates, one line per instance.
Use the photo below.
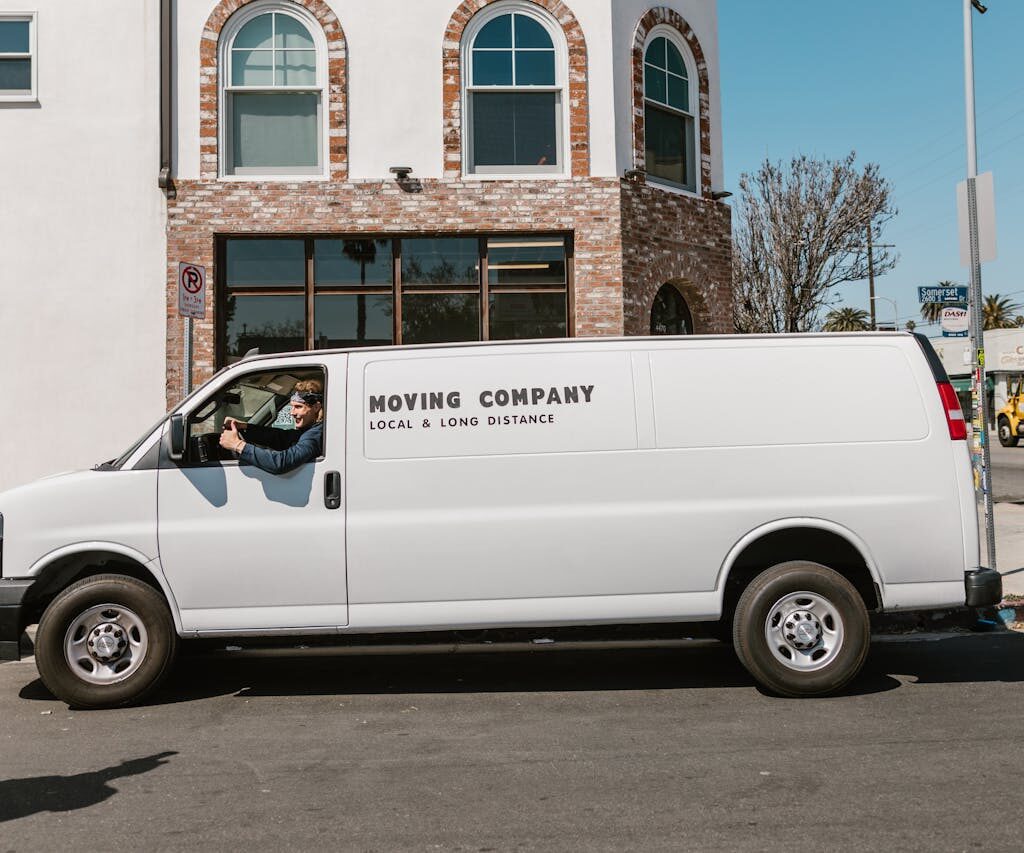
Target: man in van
(278, 451)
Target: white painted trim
(562, 132)
(17, 96)
(227, 36)
(693, 81)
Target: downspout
(165, 181)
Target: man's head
(307, 402)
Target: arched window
(272, 87)
(670, 314)
(514, 68)
(670, 127)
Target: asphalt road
(670, 749)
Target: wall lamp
(401, 173)
(718, 195)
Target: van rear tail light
(954, 414)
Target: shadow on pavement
(24, 797)
(958, 658)
(320, 673)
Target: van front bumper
(13, 615)
(984, 587)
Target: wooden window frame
(309, 289)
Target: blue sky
(885, 78)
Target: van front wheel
(105, 641)
(801, 629)
(1007, 438)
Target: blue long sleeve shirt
(291, 447)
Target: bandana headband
(308, 398)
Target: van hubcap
(804, 631)
(106, 643)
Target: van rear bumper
(984, 587)
(12, 615)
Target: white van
(782, 486)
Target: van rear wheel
(105, 641)
(801, 629)
(1007, 438)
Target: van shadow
(319, 672)
(23, 797)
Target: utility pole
(871, 272)
(871, 281)
(981, 455)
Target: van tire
(1006, 436)
(105, 641)
(801, 629)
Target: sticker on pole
(191, 291)
(955, 321)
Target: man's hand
(229, 421)
(229, 438)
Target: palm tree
(931, 312)
(847, 320)
(999, 312)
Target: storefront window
(299, 293)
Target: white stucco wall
(82, 241)
(395, 97)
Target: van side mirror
(177, 438)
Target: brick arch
(451, 68)
(671, 18)
(336, 90)
(674, 270)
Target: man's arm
(306, 449)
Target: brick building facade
(625, 235)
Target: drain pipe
(165, 181)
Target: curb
(1011, 614)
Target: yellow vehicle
(1010, 418)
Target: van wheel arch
(803, 543)
(70, 569)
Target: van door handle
(332, 489)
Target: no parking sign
(191, 290)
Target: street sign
(955, 321)
(942, 294)
(985, 196)
(191, 290)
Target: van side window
(258, 399)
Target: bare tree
(801, 231)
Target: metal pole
(871, 281)
(188, 356)
(981, 455)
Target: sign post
(976, 254)
(191, 304)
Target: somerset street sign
(942, 294)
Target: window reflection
(447, 260)
(434, 318)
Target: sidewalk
(1009, 526)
